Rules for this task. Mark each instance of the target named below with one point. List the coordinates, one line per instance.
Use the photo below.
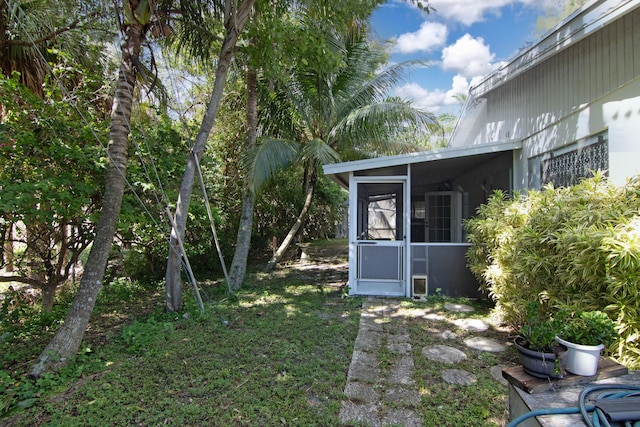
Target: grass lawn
(276, 354)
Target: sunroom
(406, 212)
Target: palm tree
(32, 31)
(136, 23)
(33, 35)
(339, 112)
(236, 17)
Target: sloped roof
(339, 172)
(577, 26)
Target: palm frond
(269, 156)
(35, 30)
(319, 152)
(199, 30)
(379, 123)
(375, 88)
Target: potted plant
(585, 334)
(538, 350)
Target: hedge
(575, 248)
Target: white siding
(584, 89)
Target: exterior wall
(479, 183)
(590, 87)
(445, 266)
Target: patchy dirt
(327, 263)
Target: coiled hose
(592, 416)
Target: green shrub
(575, 248)
(539, 329)
(589, 328)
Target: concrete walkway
(380, 390)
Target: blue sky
(463, 40)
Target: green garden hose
(592, 415)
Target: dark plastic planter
(537, 363)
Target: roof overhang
(339, 172)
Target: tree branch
(52, 35)
(21, 279)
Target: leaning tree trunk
(68, 338)
(296, 225)
(234, 23)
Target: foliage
(158, 149)
(575, 248)
(540, 329)
(50, 172)
(140, 336)
(262, 367)
(38, 33)
(281, 200)
(246, 360)
(589, 328)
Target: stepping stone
(362, 413)
(399, 348)
(459, 308)
(361, 392)
(401, 371)
(324, 316)
(410, 312)
(400, 338)
(458, 376)
(434, 316)
(400, 396)
(476, 325)
(372, 323)
(485, 344)
(443, 353)
(367, 341)
(402, 417)
(364, 367)
(448, 335)
(496, 373)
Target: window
(566, 166)
(438, 217)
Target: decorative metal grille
(567, 169)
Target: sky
(463, 40)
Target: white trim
(403, 243)
(421, 157)
(407, 234)
(426, 286)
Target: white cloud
(468, 12)
(470, 57)
(429, 36)
(459, 85)
(421, 97)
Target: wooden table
(527, 393)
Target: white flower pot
(581, 359)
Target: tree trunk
(243, 242)
(7, 248)
(48, 295)
(234, 24)
(296, 226)
(69, 337)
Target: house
(566, 106)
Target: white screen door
(380, 239)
